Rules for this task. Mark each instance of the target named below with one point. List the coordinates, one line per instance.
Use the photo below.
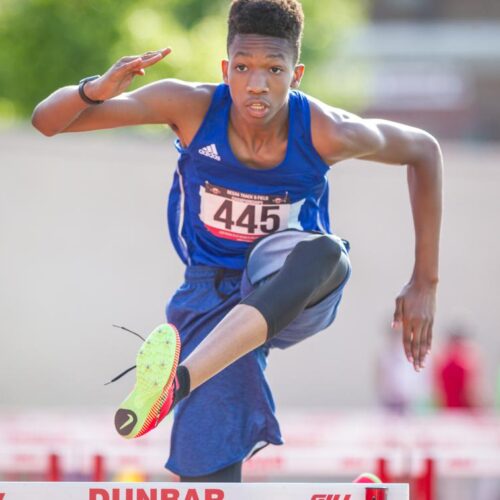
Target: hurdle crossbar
(201, 491)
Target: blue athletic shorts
(232, 415)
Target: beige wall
(83, 244)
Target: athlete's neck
(256, 136)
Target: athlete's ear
(225, 67)
(298, 73)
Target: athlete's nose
(257, 83)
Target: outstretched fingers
(415, 308)
(426, 339)
(137, 64)
(152, 57)
(418, 344)
(423, 327)
(126, 65)
(408, 341)
(399, 321)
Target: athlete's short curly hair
(278, 18)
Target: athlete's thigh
(266, 258)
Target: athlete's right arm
(164, 101)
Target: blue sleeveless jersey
(218, 206)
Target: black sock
(184, 386)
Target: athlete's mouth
(258, 107)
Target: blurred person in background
(458, 377)
(399, 388)
(459, 384)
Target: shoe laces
(118, 377)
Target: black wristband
(81, 90)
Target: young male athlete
(248, 216)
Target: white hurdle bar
(201, 491)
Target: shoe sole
(156, 367)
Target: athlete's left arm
(347, 136)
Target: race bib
(243, 217)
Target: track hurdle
(201, 491)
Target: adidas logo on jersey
(210, 151)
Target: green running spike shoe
(152, 397)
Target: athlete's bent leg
(312, 270)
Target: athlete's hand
(415, 309)
(118, 78)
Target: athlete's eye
(276, 70)
(240, 68)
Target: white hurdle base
(201, 491)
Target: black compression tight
(312, 270)
(231, 474)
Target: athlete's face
(260, 71)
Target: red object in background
(376, 493)
(457, 374)
(98, 472)
(54, 468)
(426, 482)
(382, 470)
(421, 488)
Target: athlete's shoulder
(326, 128)
(324, 114)
(185, 105)
(338, 134)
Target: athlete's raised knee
(321, 255)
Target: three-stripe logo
(210, 152)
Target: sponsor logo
(130, 419)
(331, 497)
(125, 421)
(155, 494)
(210, 152)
